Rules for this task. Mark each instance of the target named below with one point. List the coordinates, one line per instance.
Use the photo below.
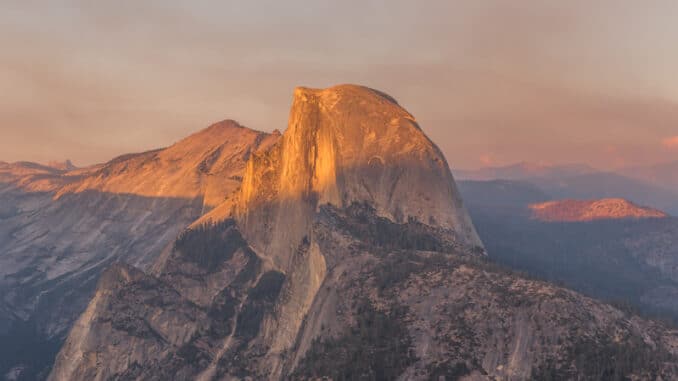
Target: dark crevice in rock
(260, 300)
(210, 244)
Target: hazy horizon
(491, 84)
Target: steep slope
(589, 210)
(347, 254)
(60, 229)
(206, 165)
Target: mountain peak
(207, 164)
(526, 170)
(588, 210)
(344, 90)
(349, 144)
(215, 133)
(222, 126)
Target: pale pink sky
(491, 82)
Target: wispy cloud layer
(508, 81)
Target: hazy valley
(626, 255)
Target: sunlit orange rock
(589, 210)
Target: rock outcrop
(347, 254)
(343, 145)
(589, 210)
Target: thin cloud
(529, 81)
(671, 142)
(487, 160)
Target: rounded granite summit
(343, 145)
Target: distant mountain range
(653, 186)
(524, 171)
(664, 175)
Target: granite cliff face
(61, 227)
(347, 254)
(344, 145)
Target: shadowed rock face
(346, 254)
(60, 228)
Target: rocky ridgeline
(60, 228)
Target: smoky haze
(491, 82)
